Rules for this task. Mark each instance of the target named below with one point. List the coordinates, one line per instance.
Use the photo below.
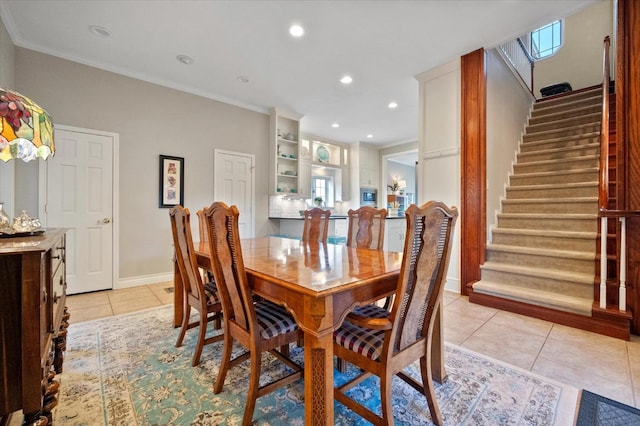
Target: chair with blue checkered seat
(384, 342)
(199, 295)
(256, 324)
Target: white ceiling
(382, 44)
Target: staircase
(543, 248)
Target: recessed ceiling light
(369, 135)
(99, 31)
(187, 60)
(346, 79)
(393, 105)
(296, 30)
(335, 125)
(242, 79)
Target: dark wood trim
(628, 141)
(472, 167)
(602, 322)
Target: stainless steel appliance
(369, 197)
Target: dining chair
(366, 227)
(316, 225)
(384, 342)
(258, 325)
(202, 226)
(204, 237)
(203, 297)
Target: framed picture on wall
(171, 181)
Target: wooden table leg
(438, 371)
(318, 379)
(178, 302)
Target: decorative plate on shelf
(323, 154)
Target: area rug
(126, 370)
(596, 410)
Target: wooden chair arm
(373, 323)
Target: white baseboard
(144, 280)
(452, 284)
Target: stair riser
(521, 192)
(561, 114)
(559, 143)
(538, 283)
(555, 134)
(590, 207)
(562, 123)
(582, 266)
(557, 155)
(559, 178)
(553, 224)
(556, 166)
(550, 242)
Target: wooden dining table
(319, 284)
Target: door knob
(105, 220)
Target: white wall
(7, 81)
(151, 120)
(579, 61)
(439, 147)
(508, 106)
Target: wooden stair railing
(607, 209)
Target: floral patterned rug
(126, 370)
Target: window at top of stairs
(546, 40)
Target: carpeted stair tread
(563, 302)
(569, 100)
(532, 145)
(557, 172)
(542, 216)
(549, 200)
(553, 186)
(542, 251)
(585, 126)
(564, 123)
(546, 233)
(561, 160)
(548, 273)
(564, 149)
(555, 115)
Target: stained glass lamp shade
(26, 131)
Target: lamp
(26, 131)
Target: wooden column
(473, 167)
(628, 140)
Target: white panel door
(234, 183)
(79, 196)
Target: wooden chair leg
(385, 398)
(284, 350)
(227, 346)
(254, 385)
(202, 335)
(185, 324)
(429, 391)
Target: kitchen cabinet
(369, 167)
(285, 152)
(394, 233)
(33, 323)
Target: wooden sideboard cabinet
(33, 323)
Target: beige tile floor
(600, 364)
